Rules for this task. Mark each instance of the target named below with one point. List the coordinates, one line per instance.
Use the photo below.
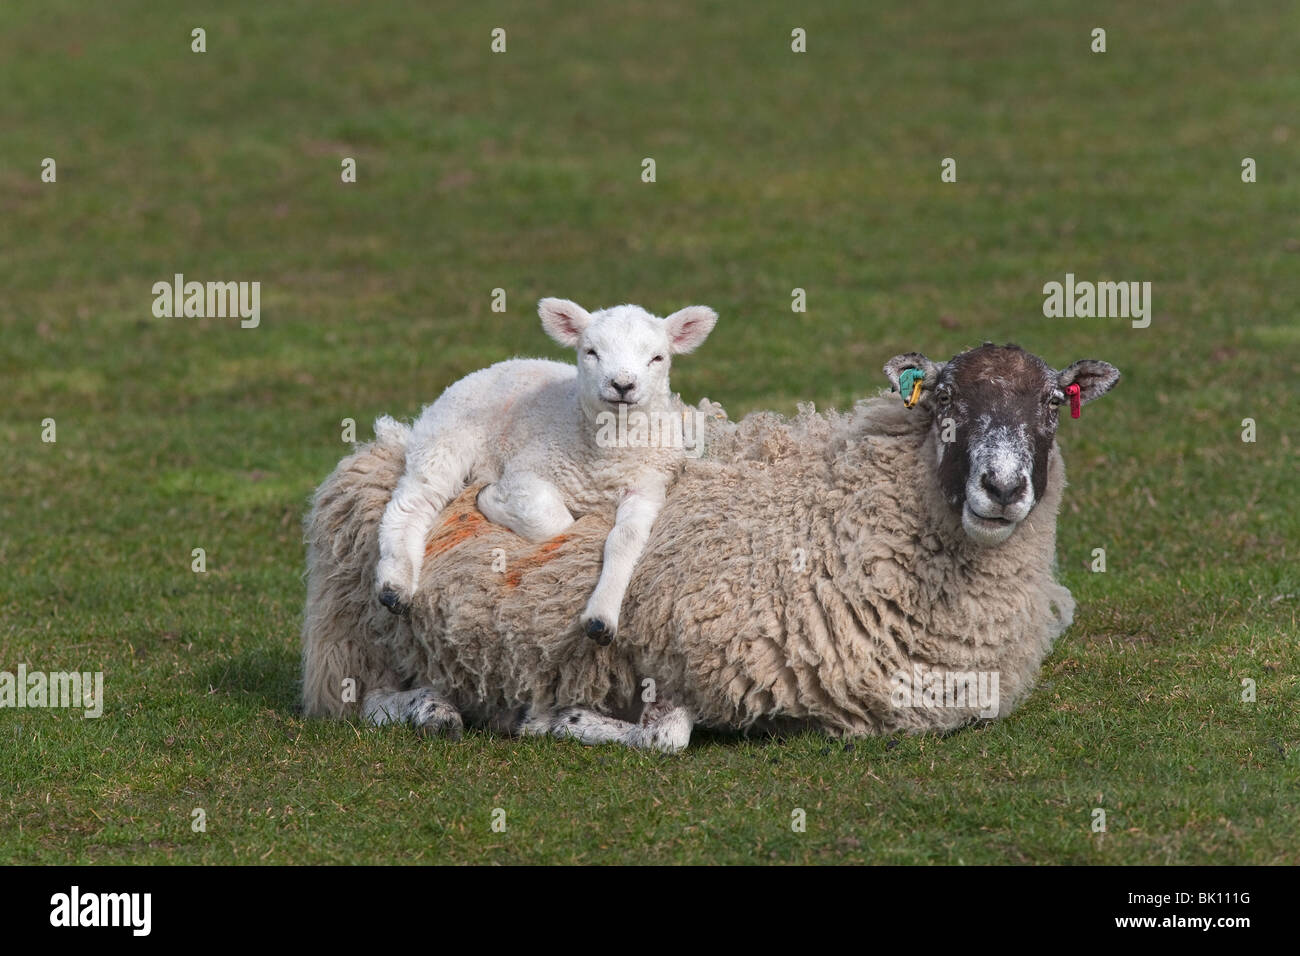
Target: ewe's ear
(690, 326)
(563, 320)
(899, 363)
(1094, 378)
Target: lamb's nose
(1003, 492)
(623, 387)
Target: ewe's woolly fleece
(719, 612)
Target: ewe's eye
(657, 358)
(1055, 399)
(943, 394)
(591, 352)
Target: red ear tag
(1073, 392)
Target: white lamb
(540, 434)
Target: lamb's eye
(591, 352)
(657, 358)
(944, 395)
(1055, 399)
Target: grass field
(522, 171)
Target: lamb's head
(994, 412)
(624, 353)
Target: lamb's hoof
(389, 599)
(597, 630)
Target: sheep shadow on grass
(268, 677)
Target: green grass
(522, 171)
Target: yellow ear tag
(911, 378)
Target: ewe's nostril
(623, 387)
(1003, 493)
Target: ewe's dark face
(994, 412)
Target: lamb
(551, 441)
(833, 572)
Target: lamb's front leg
(527, 504)
(627, 539)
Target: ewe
(811, 573)
(545, 438)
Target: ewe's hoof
(438, 719)
(598, 631)
(668, 732)
(389, 599)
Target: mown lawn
(522, 171)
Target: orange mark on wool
(459, 525)
(544, 553)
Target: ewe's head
(624, 353)
(994, 412)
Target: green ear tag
(909, 383)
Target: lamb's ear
(900, 363)
(690, 326)
(1094, 378)
(563, 320)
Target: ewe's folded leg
(666, 729)
(429, 714)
